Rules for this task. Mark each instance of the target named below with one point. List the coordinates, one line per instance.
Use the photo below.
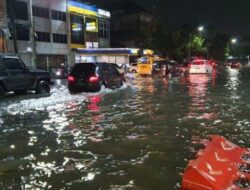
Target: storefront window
(77, 30)
(91, 24)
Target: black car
(90, 77)
(160, 68)
(16, 76)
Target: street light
(200, 28)
(234, 40)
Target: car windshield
(84, 69)
(143, 60)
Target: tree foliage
(179, 43)
(197, 45)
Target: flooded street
(138, 137)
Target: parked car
(90, 77)
(16, 76)
(133, 68)
(120, 69)
(159, 68)
(174, 68)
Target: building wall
(104, 43)
(49, 25)
(126, 29)
(48, 50)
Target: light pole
(201, 29)
(233, 42)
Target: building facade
(129, 24)
(46, 33)
(3, 26)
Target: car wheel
(42, 87)
(2, 91)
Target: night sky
(227, 16)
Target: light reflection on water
(140, 136)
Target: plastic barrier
(222, 165)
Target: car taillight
(71, 78)
(94, 79)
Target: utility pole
(32, 35)
(189, 47)
(70, 54)
(13, 23)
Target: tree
(176, 45)
(196, 45)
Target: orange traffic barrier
(222, 165)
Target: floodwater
(138, 137)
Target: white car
(133, 68)
(200, 66)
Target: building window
(60, 38)
(77, 30)
(40, 12)
(17, 10)
(91, 24)
(42, 36)
(58, 15)
(22, 32)
(103, 28)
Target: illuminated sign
(76, 27)
(82, 8)
(104, 13)
(91, 45)
(108, 51)
(29, 49)
(91, 26)
(148, 52)
(95, 44)
(134, 51)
